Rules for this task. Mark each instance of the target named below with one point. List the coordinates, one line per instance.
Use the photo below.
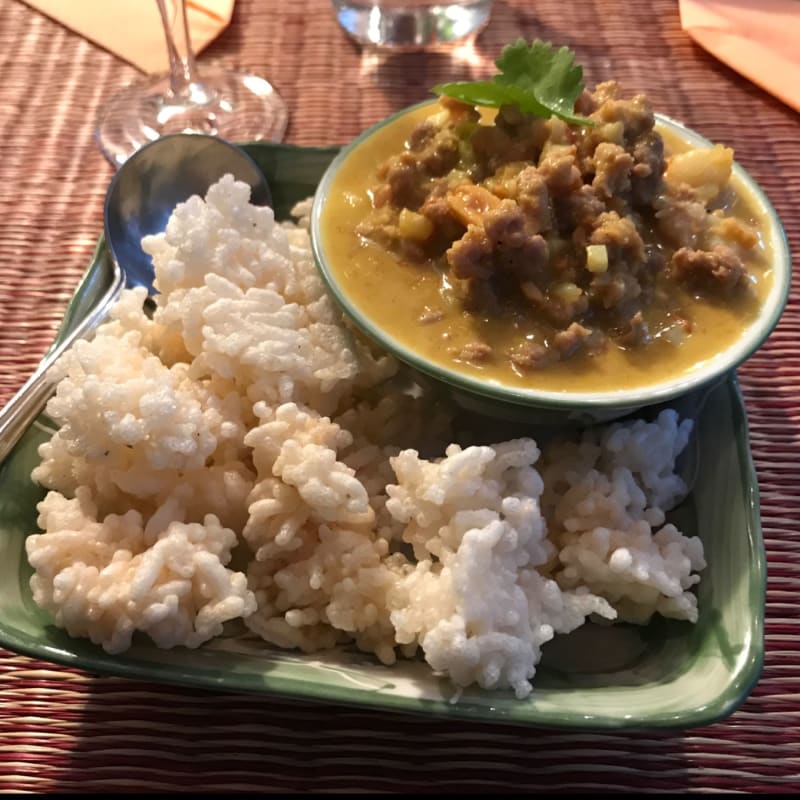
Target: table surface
(64, 730)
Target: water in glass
(411, 23)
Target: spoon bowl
(140, 199)
(149, 185)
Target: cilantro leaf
(538, 79)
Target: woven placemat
(64, 730)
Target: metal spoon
(140, 199)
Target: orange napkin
(132, 29)
(758, 38)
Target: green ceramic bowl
(541, 406)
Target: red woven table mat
(65, 730)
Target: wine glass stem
(182, 69)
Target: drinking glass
(211, 99)
(411, 24)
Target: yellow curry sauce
(399, 295)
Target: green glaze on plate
(667, 674)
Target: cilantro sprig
(536, 78)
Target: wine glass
(211, 99)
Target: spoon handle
(23, 408)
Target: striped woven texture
(62, 730)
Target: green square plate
(667, 674)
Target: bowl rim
(714, 368)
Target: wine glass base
(225, 103)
